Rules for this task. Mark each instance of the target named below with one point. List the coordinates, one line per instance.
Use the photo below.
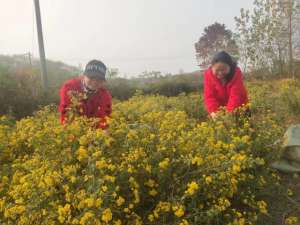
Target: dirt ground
(283, 201)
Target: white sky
(131, 35)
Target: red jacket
(231, 95)
(98, 105)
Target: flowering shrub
(290, 91)
(158, 165)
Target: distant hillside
(57, 71)
(156, 83)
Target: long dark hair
(224, 57)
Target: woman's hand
(213, 115)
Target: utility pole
(41, 45)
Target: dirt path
(284, 201)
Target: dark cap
(95, 69)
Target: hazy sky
(131, 35)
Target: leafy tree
(215, 38)
(267, 35)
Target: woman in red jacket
(223, 85)
(93, 99)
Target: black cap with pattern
(95, 69)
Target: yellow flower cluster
(192, 188)
(291, 220)
(159, 165)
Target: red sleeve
(237, 92)
(65, 102)
(210, 99)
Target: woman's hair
(224, 57)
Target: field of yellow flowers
(163, 162)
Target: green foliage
(264, 38)
(290, 91)
(121, 88)
(20, 90)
